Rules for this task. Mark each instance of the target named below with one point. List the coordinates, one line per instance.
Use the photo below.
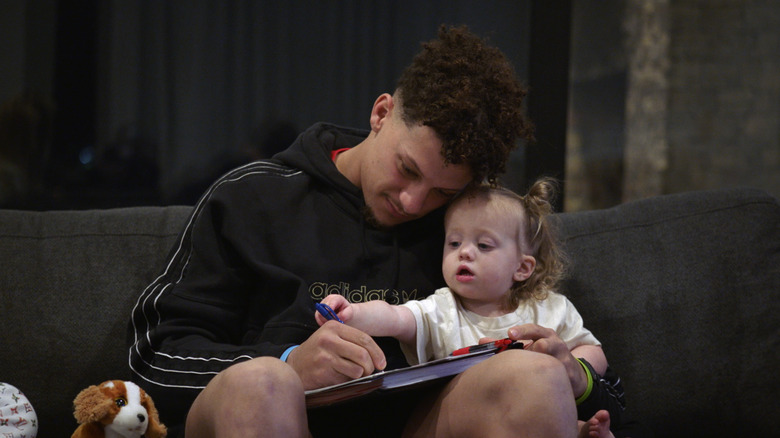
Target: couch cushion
(69, 279)
(683, 290)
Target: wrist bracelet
(588, 390)
(287, 353)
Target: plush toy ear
(89, 430)
(154, 429)
(91, 405)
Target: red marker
(498, 346)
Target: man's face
(404, 176)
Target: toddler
(501, 263)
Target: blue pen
(327, 312)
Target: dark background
(141, 103)
(207, 81)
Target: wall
(716, 112)
(724, 95)
(687, 99)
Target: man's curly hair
(467, 91)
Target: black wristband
(605, 393)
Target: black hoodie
(264, 243)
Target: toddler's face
(482, 256)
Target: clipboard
(414, 375)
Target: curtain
(194, 79)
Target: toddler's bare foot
(596, 427)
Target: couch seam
(75, 236)
(678, 217)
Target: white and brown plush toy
(116, 409)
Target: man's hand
(546, 341)
(334, 354)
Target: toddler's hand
(340, 305)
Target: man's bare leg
(515, 392)
(262, 397)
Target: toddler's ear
(525, 268)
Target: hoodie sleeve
(208, 308)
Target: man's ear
(525, 268)
(383, 107)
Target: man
(231, 318)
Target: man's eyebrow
(409, 162)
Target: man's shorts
(382, 415)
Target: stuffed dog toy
(116, 409)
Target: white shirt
(443, 325)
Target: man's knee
(525, 385)
(500, 396)
(513, 372)
(242, 393)
(263, 377)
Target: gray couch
(683, 290)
